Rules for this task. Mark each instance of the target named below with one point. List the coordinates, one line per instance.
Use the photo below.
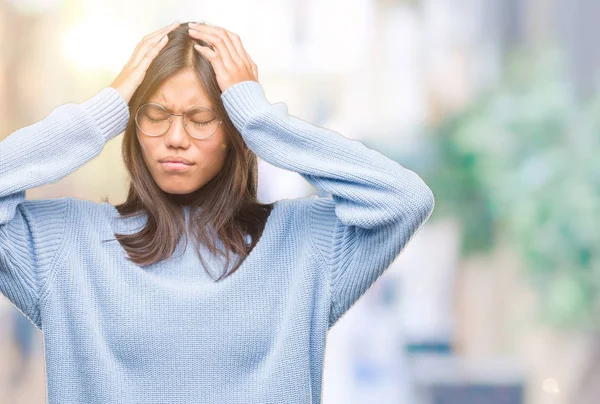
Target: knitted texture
(118, 332)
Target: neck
(182, 199)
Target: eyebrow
(170, 109)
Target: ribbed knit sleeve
(32, 231)
(375, 207)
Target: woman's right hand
(134, 71)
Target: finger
(254, 69)
(225, 37)
(160, 31)
(149, 41)
(237, 43)
(255, 72)
(239, 48)
(212, 56)
(155, 36)
(219, 40)
(241, 51)
(221, 48)
(233, 51)
(144, 63)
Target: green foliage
(523, 161)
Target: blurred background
(493, 102)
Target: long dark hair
(229, 210)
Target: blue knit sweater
(116, 332)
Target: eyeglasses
(154, 120)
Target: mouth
(172, 166)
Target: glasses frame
(171, 120)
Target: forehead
(180, 91)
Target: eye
(202, 123)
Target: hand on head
(134, 71)
(229, 59)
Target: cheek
(142, 145)
(219, 149)
(211, 158)
(220, 153)
(149, 148)
(222, 144)
(214, 151)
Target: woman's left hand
(229, 59)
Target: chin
(178, 191)
(170, 189)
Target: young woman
(128, 311)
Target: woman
(128, 312)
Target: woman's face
(177, 94)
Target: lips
(176, 160)
(176, 167)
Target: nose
(177, 136)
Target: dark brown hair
(229, 210)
